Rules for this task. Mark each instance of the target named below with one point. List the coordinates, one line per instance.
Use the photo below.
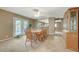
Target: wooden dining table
(34, 32)
(35, 35)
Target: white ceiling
(44, 11)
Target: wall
(33, 22)
(6, 23)
(51, 25)
(6, 26)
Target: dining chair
(40, 36)
(45, 33)
(29, 36)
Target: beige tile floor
(51, 44)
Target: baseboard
(5, 39)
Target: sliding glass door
(16, 26)
(19, 26)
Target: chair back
(29, 34)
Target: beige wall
(33, 22)
(6, 23)
(6, 26)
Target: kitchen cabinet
(71, 19)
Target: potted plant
(30, 26)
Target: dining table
(34, 31)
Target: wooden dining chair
(40, 36)
(45, 33)
(29, 36)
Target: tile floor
(51, 44)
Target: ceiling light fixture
(36, 13)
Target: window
(25, 26)
(19, 26)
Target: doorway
(58, 27)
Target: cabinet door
(75, 40)
(70, 42)
(73, 30)
(73, 23)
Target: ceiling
(44, 11)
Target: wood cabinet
(71, 18)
